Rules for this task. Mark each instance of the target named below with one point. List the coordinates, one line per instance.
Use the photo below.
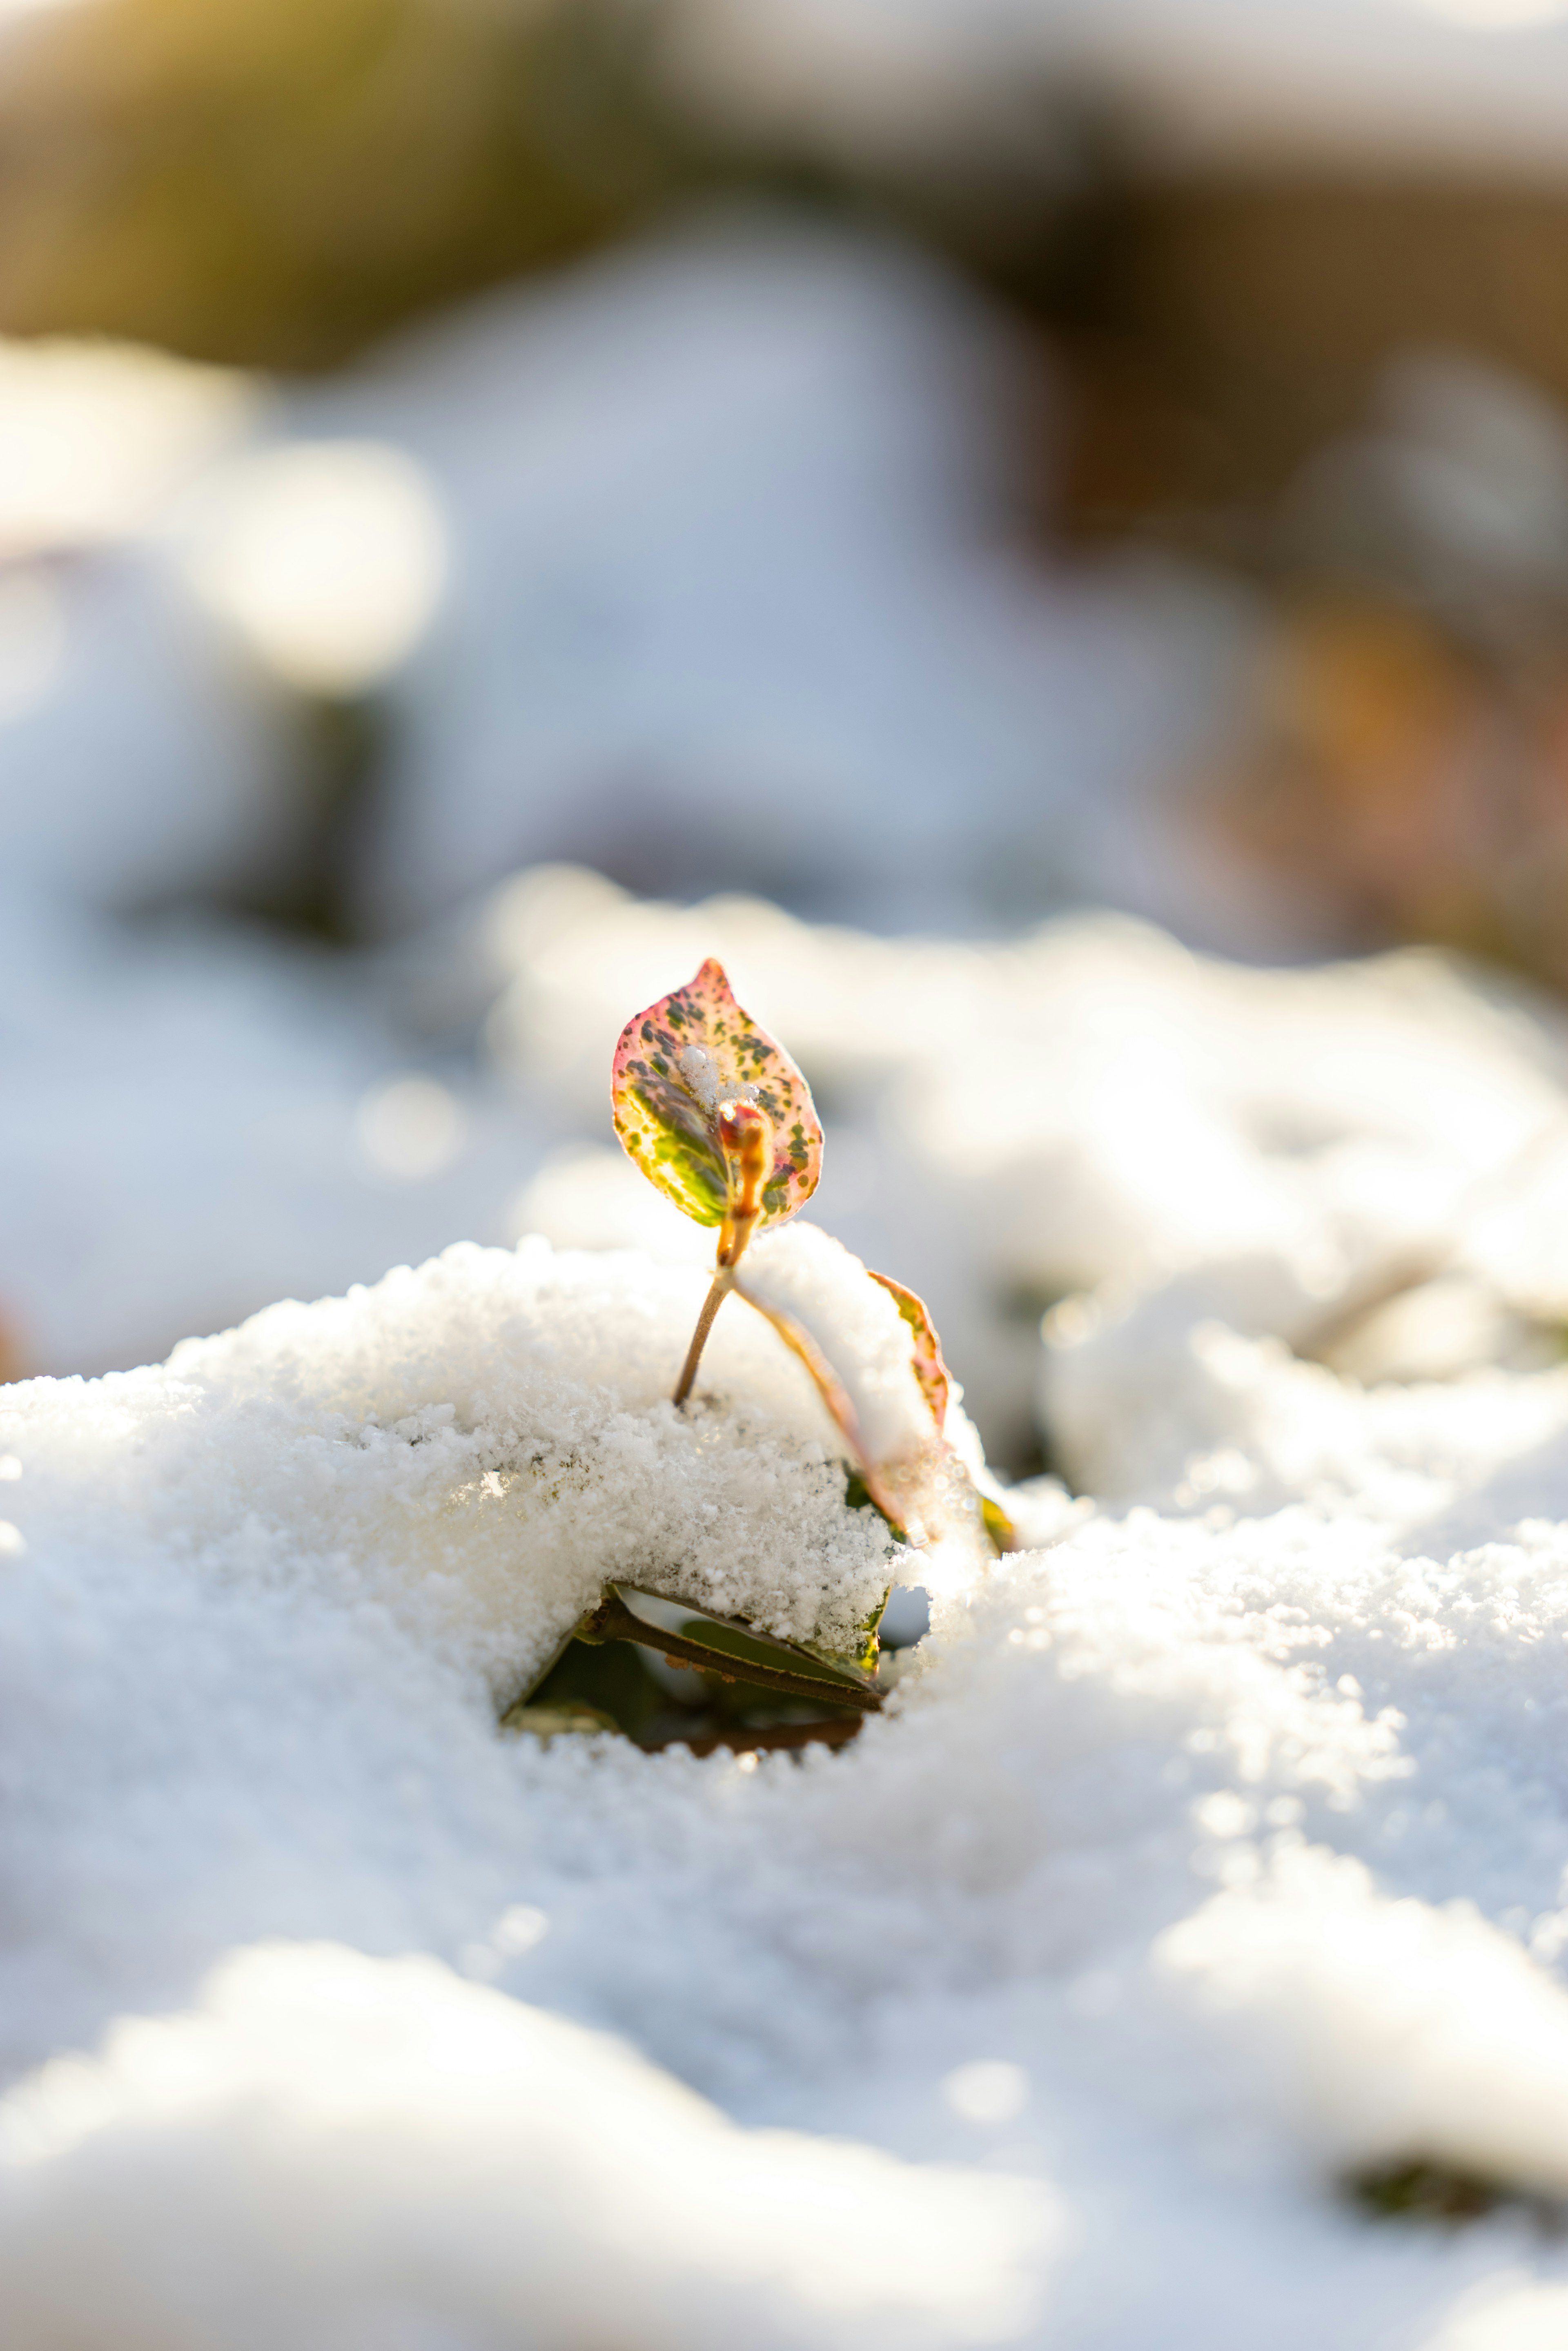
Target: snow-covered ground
(1202, 1864)
(199, 1121)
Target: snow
(200, 1121)
(802, 1273)
(501, 2160)
(1201, 1860)
(491, 1437)
(700, 1071)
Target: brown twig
(747, 1140)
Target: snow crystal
(700, 1071)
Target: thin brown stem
(723, 1283)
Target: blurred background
(1032, 526)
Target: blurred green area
(275, 181)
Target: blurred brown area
(1420, 792)
(1355, 395)
(1225, 327)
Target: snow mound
(336, 2150)
(804, 1273)
(477, 1447)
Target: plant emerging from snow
(716, 1115)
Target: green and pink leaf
(679, 1067)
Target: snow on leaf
(694, 1075)
(878, 1369)
(929, 1368)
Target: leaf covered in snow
(929, 1368)
(872, 1351)
(695, 1079)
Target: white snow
(1199, 1861)
(700, 1071)
(198, 1124)
(479, 1445)
(218, 2179)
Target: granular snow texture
(1201, 1861)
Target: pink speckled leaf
(689, 1073)
(929, 1368)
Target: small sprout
(717, 1115)
(747, 1140)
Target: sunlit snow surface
(1199, 1861)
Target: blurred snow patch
(411, 1127)
(327, 560)
(97, 439)
(318, 2109)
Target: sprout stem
(723, 1283)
